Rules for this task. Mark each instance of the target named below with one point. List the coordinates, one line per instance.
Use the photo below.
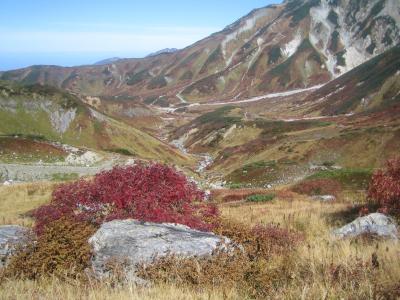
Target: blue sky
(82, 32)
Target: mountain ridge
(295, 44)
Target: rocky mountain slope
(374, 85)
(296, 44)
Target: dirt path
(35, 172)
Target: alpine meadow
(259, 162)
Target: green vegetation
(150, 100)
(157, 82)
(64, 176)
(136, 78)
(219, 115)
(273, 128)
(26, 112)
(373, 73)
(259, 165)
(187, 75)
(341, 61)
(236, 186)
(349, 178)
(274, 54)
(299, 12)
(387, 40)
(122, 151)
(214, 57)
(370, 49)
(161, 101)
(333, 18)
(334, 41)
(32, 77)
(260, 198)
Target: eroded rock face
(11, 236)
(376, 223)
(134, 242)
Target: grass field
(321, 268)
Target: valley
(261, 162)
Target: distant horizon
(82, 33)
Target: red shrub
(384, 187)
(318, 187)
(154, 193)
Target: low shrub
(61, 250)
(121, 151)
(154, 193)
(348, 178)
(260, 198)
(286, 195)
(384, 188)
(318, 187)
(265, 262)
(261, 240)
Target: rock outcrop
(11, 236)
(376, 224)
(133, 243)
(324, 198)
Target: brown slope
(239, 60)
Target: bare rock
(324, 198)
(376, 223)
(134, 243)
(11, 236)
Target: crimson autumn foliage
(154, 193)
(384, 187)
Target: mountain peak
(163, 51)
(107, 61)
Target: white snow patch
(273, 95)
(290, 48)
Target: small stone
(376, 223)
(324, 198)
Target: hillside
(296, 44)
(374, 85)
(47, 113)
(351, 123)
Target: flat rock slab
(376, 223)
(324, 198)
(134, 242)
(10, 237)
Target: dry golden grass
(323, 268)
(321, 254)
(16, 200)
(56, 289)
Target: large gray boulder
(376, 223)
(133, 242)
(11, 236)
